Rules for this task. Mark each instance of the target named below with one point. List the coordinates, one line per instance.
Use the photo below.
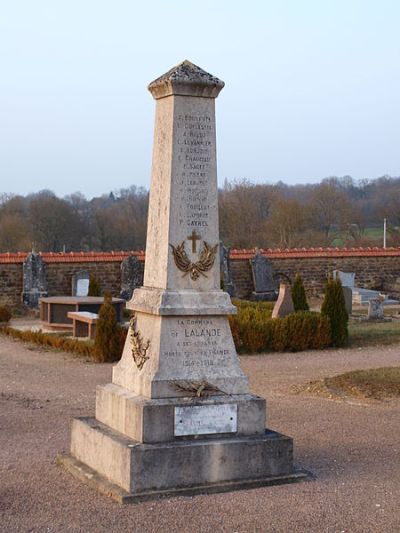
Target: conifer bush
(94, 286)
(334, 308)
(5, 314)
(299, 294)
(107, 341)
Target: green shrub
(253, 330)
(58, 341)
(52, 340)
(299, 295)
(5, 314)
(94, 286)
(334, 308)
(107, 342)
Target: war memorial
(178, 416)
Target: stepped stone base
(130, 471)
(153, 420)
(103, 486)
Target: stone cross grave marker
(178, 415)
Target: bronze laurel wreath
(205, 262)
(138, 348)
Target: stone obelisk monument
(178, 416)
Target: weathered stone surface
(375, 309)
(186, 79)
(34, 280)
(139, 467)
(153, 420)
(284, 304)
(80, 283)
(131, 276)
(182, 348)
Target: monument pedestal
(131, 471)
(178, 417)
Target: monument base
(103, 486)
(129, 470)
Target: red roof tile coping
(235, 255)
(73, 257)
(300, 253)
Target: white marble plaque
(82, 287)
(205, 419)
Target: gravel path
(353, 449)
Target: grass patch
(374, 383)
(370, 334)
(377, 383)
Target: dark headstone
(131, 276)
(265, 286)
(226, 276)
(348, 299)
(34, 280)
(80, 283)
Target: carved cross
(194, 238)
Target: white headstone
(346, 278)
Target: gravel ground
(353, 449)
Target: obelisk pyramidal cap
(181, 310)
(178, 416)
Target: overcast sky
(312, 88)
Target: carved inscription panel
(196, 161)
(198, 345)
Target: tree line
(335, 212)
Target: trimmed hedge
(254, 330)
(83, 348)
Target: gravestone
(131, 276)
(284, 304)
(348, 299)
(265, 286)
(178, 416)
(80, 283)
(375, 309)
(226, 275)
(346, 278)
(34, 280)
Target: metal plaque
(205, 419)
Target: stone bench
(83, 323)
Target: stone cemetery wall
(11, 279)
(375, 268)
